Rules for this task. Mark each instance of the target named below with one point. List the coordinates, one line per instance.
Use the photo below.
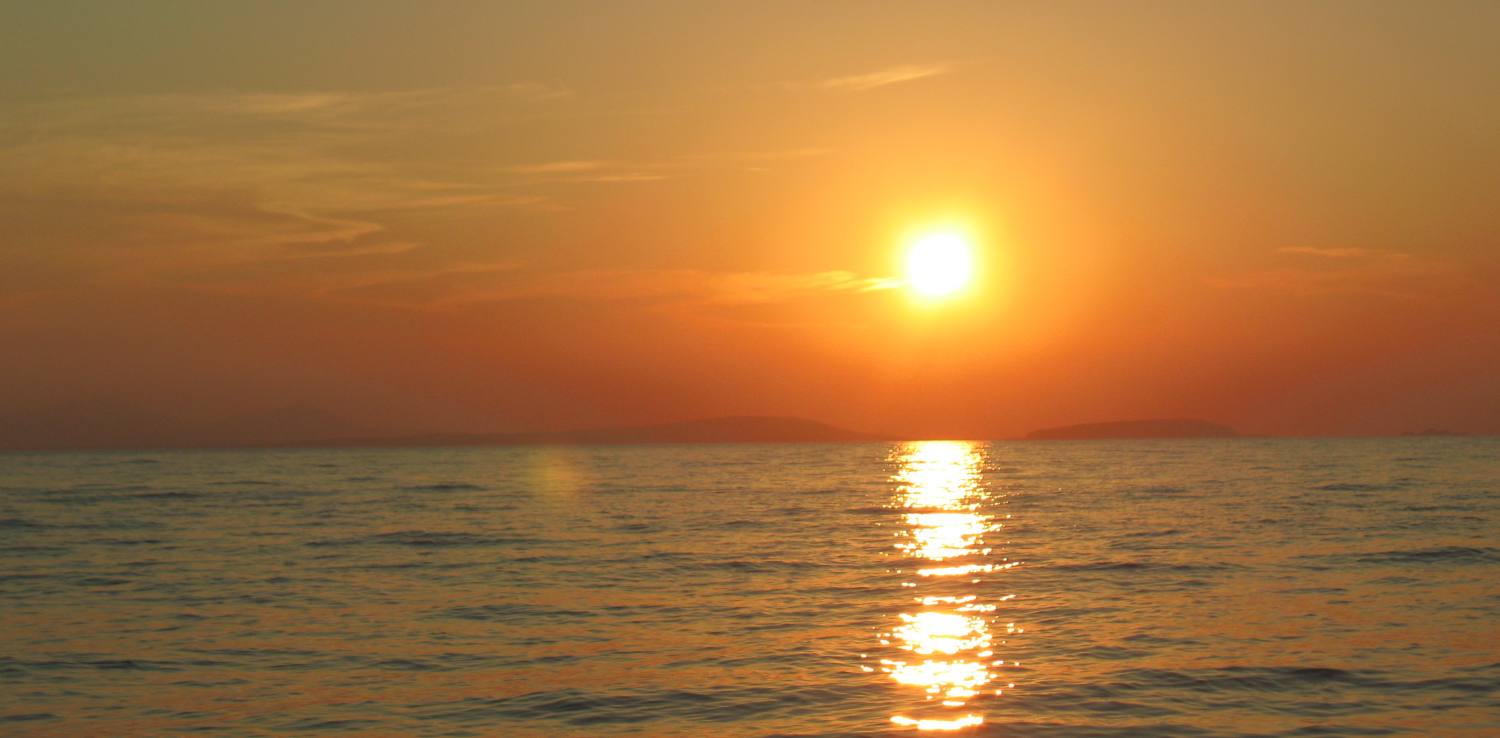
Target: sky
(230, 222)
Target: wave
(424, 538)
(26, 717)
(1439, 555)
(1140, 566)
(579, 707)
(15, 665)
(24, 524)
(142, 461)
(443, 487)
(1288, 679)
(748, 565)
(516, 612)
(169, 495)
(1355, 487)
(21, 524)
(1154, 490)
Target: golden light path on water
(950, 659)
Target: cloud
(481, 198)
(761, 287)
(586, 171)
(411, 287)
(1349, 271)
(594, 172)
(474, 284)
(689, 285)
(376, 249)
(622, 177)
(558, 167)
(346, 111)
(1327, 253)
(884, 77)
(805, 152)
(532, 90)
(322, 194)
(204, 183)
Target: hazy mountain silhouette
(1166, 428)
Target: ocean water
(1163, 588)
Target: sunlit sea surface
(1169, 588)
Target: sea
(1241, 587)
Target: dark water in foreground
(1214, 588)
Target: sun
(939, 264)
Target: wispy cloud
(1349, 271)
(461, 199)
(205, 183)
(1346, 253)
(889, 76)
(805, 152)
(344, 110)
(412, 287)
(686, 285)
(558, 167)
(477, 284)
(622, 177)
(377, 249)
(532, 90)
(327, 195)
(583, 171)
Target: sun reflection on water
(950, 652)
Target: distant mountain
(1436, 432)
(739, 429)
(1169, 428)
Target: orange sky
(289, 220)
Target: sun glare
(939, 264)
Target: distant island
(735, 429)
(1436, 432)
(1167, 428)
